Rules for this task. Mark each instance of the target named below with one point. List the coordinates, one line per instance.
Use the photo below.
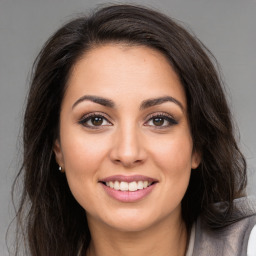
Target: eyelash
(164, 116)
(83, 121)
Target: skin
(129, 141)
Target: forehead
(115, 70)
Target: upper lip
(128, 178)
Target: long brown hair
(51, 219)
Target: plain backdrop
(226, 27)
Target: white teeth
(145, 184)
(123, 186)
(116, 185)
(128, 186)
(133, 186)
(140, 185)
(111, 184)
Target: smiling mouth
(128, 189)
(128, 186)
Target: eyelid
(166, 116)
(87, 116)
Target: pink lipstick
(128, 188)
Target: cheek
(83, 156)
(82, 153)
(174, 160)
(174, 156)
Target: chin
(131, 226)
(132, 221)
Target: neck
(168, 238)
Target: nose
(128, 147)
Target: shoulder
(233, 239)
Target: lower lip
(128, 196)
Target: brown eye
(97, 121)
(158, 121)
(94, 121)
(161, 121)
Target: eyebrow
(145, 104)
(99, 100)
(157, 101)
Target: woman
(128, 106)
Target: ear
(196, 159)
(58, 153)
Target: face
(125, 142)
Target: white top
(251, 249)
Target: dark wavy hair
(52, 221)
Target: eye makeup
(160, 120)
(95, 120)
(98, 120)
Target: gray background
(227, 27)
